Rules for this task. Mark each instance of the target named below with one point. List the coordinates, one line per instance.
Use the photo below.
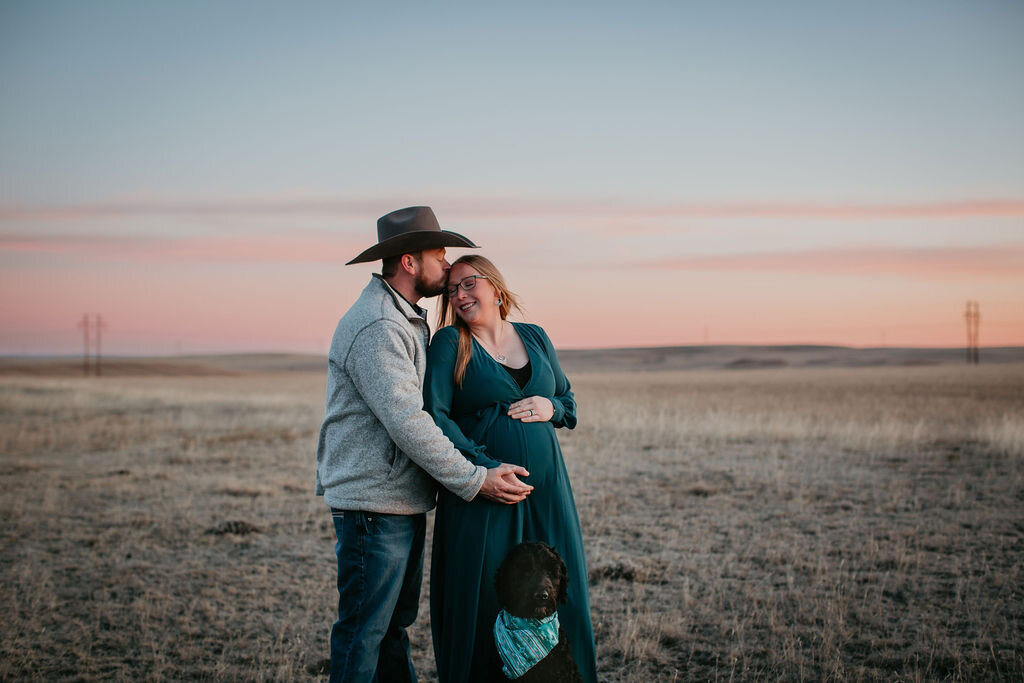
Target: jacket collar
(411, 311)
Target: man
(380, 455)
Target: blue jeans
(380, 570)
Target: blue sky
(592, 136)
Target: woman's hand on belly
(532, 409)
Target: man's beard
(429, 289)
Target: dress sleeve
(439, 391)
(563, 401)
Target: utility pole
(977, 321)
(970, 338)
(973, 318)
(99, 336)
(85, 326)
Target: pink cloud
(812, 210)
(88, 211)
(1000, 260)
(295, 247)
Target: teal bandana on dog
(524, 642)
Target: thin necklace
(497, 356)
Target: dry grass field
(750, 524)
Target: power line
(99, 337)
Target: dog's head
(531, 581)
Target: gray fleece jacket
(378, 450)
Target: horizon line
(724, 345)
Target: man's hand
(503, 486)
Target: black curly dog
(530, 582)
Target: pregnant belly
(532, 445)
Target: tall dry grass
(861, 408)
(841, 524)
(743, 525)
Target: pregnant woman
(497, 391)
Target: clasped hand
(532, 409)
(503, 486)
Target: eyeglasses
(467, 283)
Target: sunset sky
(644, 173)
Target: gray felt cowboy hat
(410, 230)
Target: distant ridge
(186, 365)
(654, 359)
(789, 355)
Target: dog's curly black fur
(531, 582)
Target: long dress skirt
(471, 539)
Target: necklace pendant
(501, 358)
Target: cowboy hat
(409, 230)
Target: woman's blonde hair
(446, 312)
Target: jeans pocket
(366, 521)
(363, 523)
(353, 524)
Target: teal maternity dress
(471, 539)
